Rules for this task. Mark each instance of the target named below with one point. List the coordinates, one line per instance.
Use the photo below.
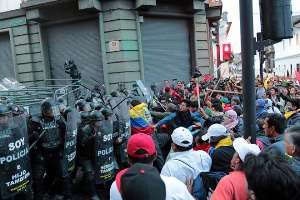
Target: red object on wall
(226, 52)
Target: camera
(197, 74)
(226, 79)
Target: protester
(292, 146)
(185, 162)
(270, 177)
(141, 149)
(232, 186)
(221, 150)
(274, 125)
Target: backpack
(205, 183)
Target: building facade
(287, 52)
(110, 41)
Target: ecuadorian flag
(140, 118)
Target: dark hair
(167, 89)
(295, 102)
(147, 160)
(268, 93)
(135, 102)
(294, 137)
(238, 102)
(271, 177)
(180, 148)
(275, 89)
(199, 135)
(237, 109)
(278, 121)
(194, 104)
(187, 102)
(261, 83)
(218, 107)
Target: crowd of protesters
(186, 142)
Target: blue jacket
(277, 146)
(178, 123)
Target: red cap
(140, 141)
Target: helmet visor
(51, 111)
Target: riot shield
(144, 90)
(15, 167)
(69, 152)
(124, 129)
(104, 156)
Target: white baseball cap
(182, 137)
(215, 130)
(243, 148)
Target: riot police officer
(86, 152)
(82, 105)
(47, 155)
(16, 173)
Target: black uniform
(47, 154)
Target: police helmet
(153, 86)
(49, 104)
(85, 115)
(68, 110)
(4, 110)
(121, 84)
(98, 106)
(114, 93)
(10, 101)
(68, 64)
(81, 105)
(22, 110)
(14, 109)
(96, 116)
(106, 112)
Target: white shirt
(187, 164)
(175, 190)
(276, 110)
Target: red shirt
(231, 187)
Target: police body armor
(69, 152)
(124, 129)
(51, 139)
(15, 168)
(104, 157)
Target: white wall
(287, 54)
(6, 5)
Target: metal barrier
(32, 97)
